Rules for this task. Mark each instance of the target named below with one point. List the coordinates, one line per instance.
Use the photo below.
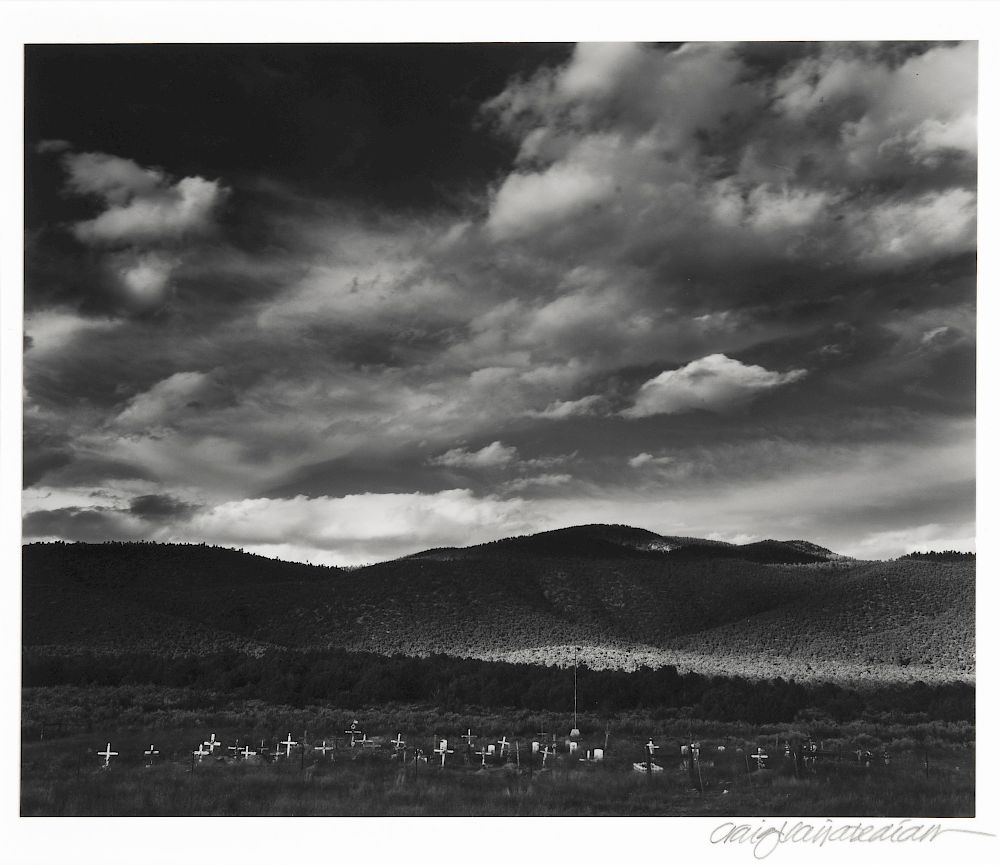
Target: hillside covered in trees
(614, 597)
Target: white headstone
(598, 753)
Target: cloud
(587, 405)
(54, 329)
(644, 459)
(157, 505)
(714, 383)
(52, 145)
(363, 528)
(526, 203)
(494, 455)
(161, 213)
(143, 205)
(543, 480)
(166, 402)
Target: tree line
(345, 679)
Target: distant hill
(614, 596)
(625, 542)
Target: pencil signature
(764, 839)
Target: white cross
(288, 745)
(760, 757)
(546, 753)
(211, 744)
(364, 741)
(247, 753)
(353, 732)
(398, 741)
(650, 747)
(201, 752)
(323, 748)
(444, 751)
(152, 752)
(468, 737)
(482, 752)
(107, 754)
(504, 744)
(235, 748)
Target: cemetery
(598, 770)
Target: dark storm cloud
(413, 280)
(159, 506)
(92, 525)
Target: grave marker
(444, 751)
(107, 754)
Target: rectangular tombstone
(598, 753)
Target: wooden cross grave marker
(150, 753)
(398, 742)
(288, 745)
(761, 758)
(107, 754)
(323, 748)
(212, 744)
(247, 753)
(444, 751)
(504, 744)
(201, 752)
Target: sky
(341, 303)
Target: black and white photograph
(507, 428)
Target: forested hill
(614, 597)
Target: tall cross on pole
(576, 727)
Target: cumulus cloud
(714, 383)
(154, 214)
(493, 455)
(362, 528)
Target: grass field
(63, 776)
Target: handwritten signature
(765, 839)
